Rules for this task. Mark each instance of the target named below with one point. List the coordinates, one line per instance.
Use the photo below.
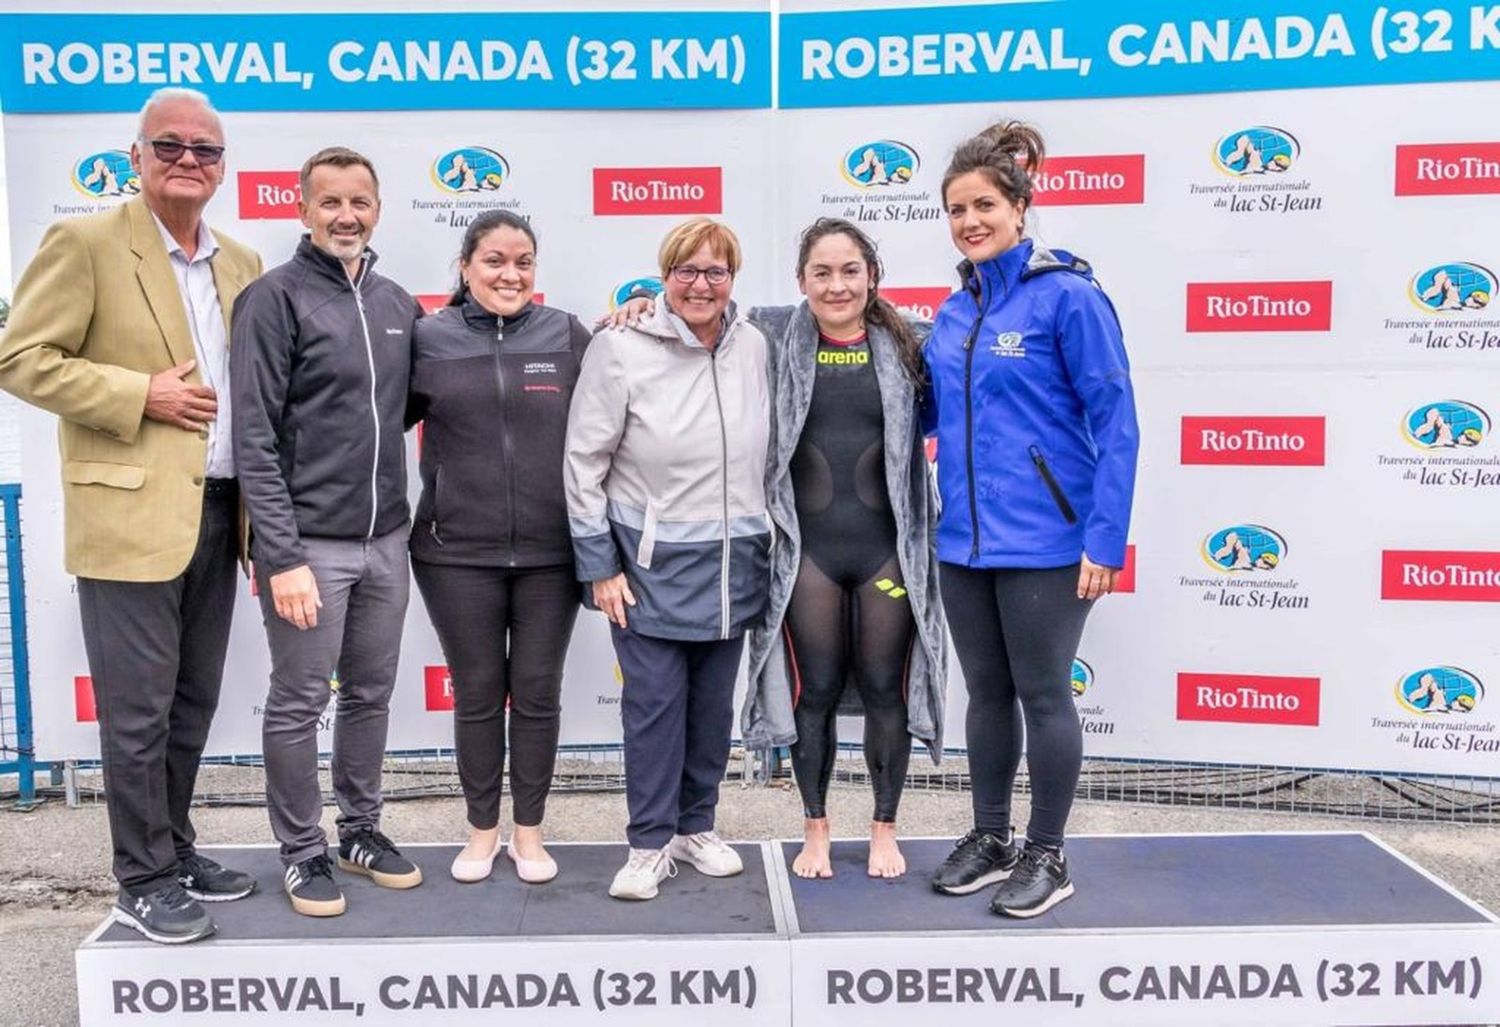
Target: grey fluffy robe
(792, 339)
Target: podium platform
(1301, 929)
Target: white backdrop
(1274, 318)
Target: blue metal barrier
(17, 754)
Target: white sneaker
(709, 853)
(642, 872)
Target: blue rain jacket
(1031, 403)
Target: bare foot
(481, 844)
(526, 842)
(813, 860)
(885, 855)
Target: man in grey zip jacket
(321, 359)
(666, 456)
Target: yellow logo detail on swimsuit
(833, 356)
(890, 588)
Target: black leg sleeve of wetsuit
(1043, 620)
(816, 635)
(993, 723)
(884, 631)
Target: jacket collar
(665, 324)
(330, 266)
(476, 315)
(158, 282)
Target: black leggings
(504, 634)
(833, 631)
(1017, 632)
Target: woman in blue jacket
(1035, 418)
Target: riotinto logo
(1258, 150)
(694, 190)
(1446, 424)
(470, 169)
(106, 174)
(1276, 441)
(1244, 548)
(1438, 691)
(1447, 169)
(884, 162)
(1448, 288)
(1260, 306)
(1249, 699)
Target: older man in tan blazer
(119, 327)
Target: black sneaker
(371, 853)
(980, 858)
(207, 881)
(312, 889)
(167, 915)
(1039, 883)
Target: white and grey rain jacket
(665, 474)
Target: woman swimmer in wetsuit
(854, 591)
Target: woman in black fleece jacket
(492, 378)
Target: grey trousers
(364, 585)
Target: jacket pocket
(647, 548)
(437, 505)
(1058, 496)
(98, 472)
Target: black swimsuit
(848, 617)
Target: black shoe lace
(199, 866)
(375, 840)
(315, 866)
(966, 845)
(1029, 868)
(170, 896)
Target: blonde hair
(684, 240)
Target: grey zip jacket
(665, 475)
(767, 716)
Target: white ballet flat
(533, 871)
(469, 871)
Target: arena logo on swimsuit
(268, 195)
(1448, 169)
(1463, 576)
(1091, 181)
(1260, 306)
(644, 191)
(1249, 699)
(1253, 441)
(438, 689)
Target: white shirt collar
(207, 244)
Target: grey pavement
(55, 885)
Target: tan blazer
(96, 313)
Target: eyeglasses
(170, 151)
(686, 274)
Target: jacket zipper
(713, 367)
(437, 482)
(364, 326)
(969, 417)
(1058, 496)
(505, 447)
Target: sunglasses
(170, 151)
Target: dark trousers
(505, 636)
(1016, 633)
(677, 707)
(156, 655)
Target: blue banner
(76, 63)
(1065, 49)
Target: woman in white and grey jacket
(666, 453)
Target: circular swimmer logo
(470, 169)
(1258, 150)
(1446, 424)
(1083, 678)
(1434, 691)
(622, 291)
(1244, 548)
(884, 162)
(1449, 288)
(105, 174)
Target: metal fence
(17, 756)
